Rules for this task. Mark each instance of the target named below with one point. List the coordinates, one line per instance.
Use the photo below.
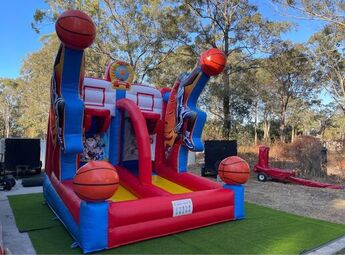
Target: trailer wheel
(10, 179)
(262, 177)
(38, 170)
(7, 185)
(216, 166)
(203, 170)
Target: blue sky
(18, 38)
(303, 29)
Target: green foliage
(138, 31)
(336, 129)
(240, 31)
(290, 70)
(181, 60)
(36, 74)
(267, 90)
(9, 107)
(328, 49)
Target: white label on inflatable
(182, 207)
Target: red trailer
(284, 175)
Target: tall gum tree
(328, 51)
(234, 26)
(291, 69)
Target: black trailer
(215, 152)
(21, 156)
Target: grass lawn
(264, 231)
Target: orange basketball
(96, 181)
(75, 29)
(213, 61)
(233, 170)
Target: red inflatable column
(263, 156)
(142, 136)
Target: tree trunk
(282, 123)
(293, 134)
(226, 116)
(267, 127)
(226, 84)
(7, 122)
(256, 124)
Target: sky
(303, 28)
(18, 39)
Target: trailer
(266, 172)
(20, 156)
(215, 151)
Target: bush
(305, 152)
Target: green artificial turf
(264, 231)
(31, 212)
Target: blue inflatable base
(92, 232)
(239, 200)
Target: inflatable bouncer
(116, 163)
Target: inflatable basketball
(233, 170)
(212, 61)
(96, 181)
(75, 29)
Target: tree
(290, 68)
(9, 106)
(181, 60)
(141, 32)
(328, 49)
(336, 131)
(237, 28)
(324, 10)
(242, 90)
(266, 97)
(36, 74)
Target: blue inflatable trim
(182, 159)
(93, 232)
(74, 106)
(68, 165)
(57, 205)
(166, 97)
(114, 148)
(239, 200)
(201, 115)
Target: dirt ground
(323, 204)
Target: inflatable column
(184, 121)
(64, 142)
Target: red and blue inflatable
(142, 133)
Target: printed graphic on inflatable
(57, 102)
(180, 119)
(93, 148)
(121, 74)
